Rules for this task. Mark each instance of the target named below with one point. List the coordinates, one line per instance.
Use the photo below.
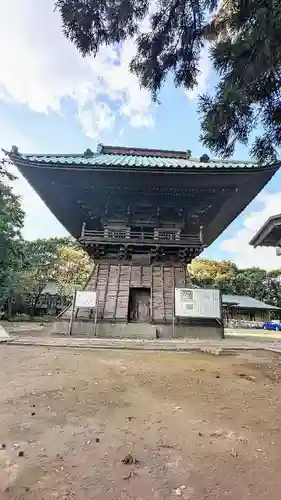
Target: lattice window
(168, 235)
(116, 234)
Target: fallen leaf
(129, 460)
(131, 474)
(166, 445)
(233, 453)
(178, 492)
(247, 377)
(217, 433)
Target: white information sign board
(197, 303)
(85, 299)
(82, 299)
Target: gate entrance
(139, 305)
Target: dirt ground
(195, 426)
(26, 328)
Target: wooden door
(139, 305)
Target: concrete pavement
(252, 333)
(215, 346)
(4, 336)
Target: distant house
(269, 234)
(50, 301)
(242, 307)
(52, 288)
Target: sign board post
(173, 312)
(72, 312)
(96, 316)
(199, 303)
(84, 300)
(221, 317)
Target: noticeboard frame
(74, 311)
(219, 319)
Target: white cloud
(238, 245)
(142, 121)
(205, 68)
(96, 117)
(40, 68)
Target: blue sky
(52, 100)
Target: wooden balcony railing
(144, 237)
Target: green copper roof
(127, 160)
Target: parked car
(274, 324)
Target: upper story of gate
(124, 201)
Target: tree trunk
(9, 308)
(33, 306)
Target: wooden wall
(113, 283)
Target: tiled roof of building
(245, 302)
(133, 161)
(109, 156)
(269, 233)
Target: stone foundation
(137, 330)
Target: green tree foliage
(272, 290)
(211, 269)
(56, 260)
(38, 268)
(244, 40)
(250, 282)
(11, 223)
(254, 282)
(245, 51)
(73, 268)
(215, 274)
(173, 41)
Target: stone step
(132, 330)
(105, 330)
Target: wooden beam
(117, 292)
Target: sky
(54, 101)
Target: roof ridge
(82, 155)
(54, 155)
(120, 151)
